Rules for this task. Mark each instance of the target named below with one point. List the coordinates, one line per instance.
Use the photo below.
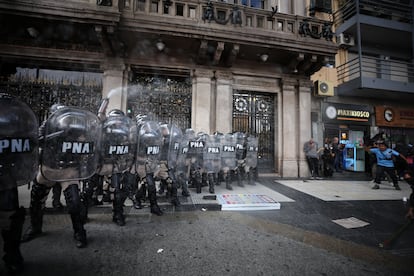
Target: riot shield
(148, 148)
(18, 142)
(196, 146)
(228, 152)
(172, 137)
(118, 146)
(240, 139)
(70, 147)
(212, 154)
(251, 152)
(183, 162)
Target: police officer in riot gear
(228, 157)
(117, 155)
(171, 136)
(183, 166)
(147, 161)
(18, 165)
(68, 144)
(240, 139)
(212, 160)
(252, 146)
(195, 157)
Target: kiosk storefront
(350, 123)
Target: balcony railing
(392, 10)
(252, 18)
(380, 68)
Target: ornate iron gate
(41, 93)
(254, 113)
(164, 99)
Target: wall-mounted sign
(394, 116)
(346, 113)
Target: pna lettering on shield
(77, 147)
(15, 145)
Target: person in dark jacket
(409, 178)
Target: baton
(387, 243)
(50, 136)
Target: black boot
(119, 198)
(74, 209)
(152, 194)
(173, 188)
(250, 177)
(79, 233)
(240, 176)
(197, 178)
(140, 196)
(38, 196)
(211, 183)
(56, 192)
(228, 181)
(12, 257)
(174, 196)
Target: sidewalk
(309, 213)
(312, 205)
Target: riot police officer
(171, 136)
(228, 157)
(68, 140)
(18, 165)
(117, 155)
(212, 160)
(147, 161)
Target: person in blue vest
(385, 163)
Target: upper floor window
(320, 6)
(260, 4)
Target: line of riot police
(75, 146)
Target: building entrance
(254, 113)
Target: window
(280, 26)
(260, 22)
(141, 5)
(192, 12)
(154, 6)
(248, 21)
(270, 24)
(221, 15)
(320, 6)
(179, 9)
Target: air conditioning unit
(345, 40)
(324, 88)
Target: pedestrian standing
(385, 164)
(312, 157)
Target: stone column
(201, 100)
(224, 102)
(290, 141)
(305, 126)
(114, 84)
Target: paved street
(198, 239)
